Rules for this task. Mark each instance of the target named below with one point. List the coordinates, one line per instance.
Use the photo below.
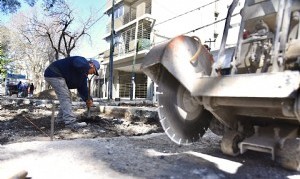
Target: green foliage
(143, 44)
(9, 6)
(48, 4)
(3, 62)
(12, 6)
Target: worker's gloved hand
(89, 103)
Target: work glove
(89, 103)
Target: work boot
(70, 121)
(75, 125)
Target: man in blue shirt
(70, 73)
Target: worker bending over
(70, 73)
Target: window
(119, 12)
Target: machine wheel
(182, 117)
(229, 143)
(288, 154)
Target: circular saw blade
(182, 117)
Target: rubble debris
(17, 112)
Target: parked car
(12, 89)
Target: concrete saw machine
(253, 102)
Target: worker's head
(94, 67)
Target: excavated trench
(23, 119)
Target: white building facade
(141, 24)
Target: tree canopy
(3, 62)
(12, 6)
(42, 34)
(3, 49)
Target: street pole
(132, 91)
(111, 54)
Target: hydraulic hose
(195, 56)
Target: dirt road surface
(114, 147)
(149, 156)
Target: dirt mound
(47, 94)
(50, 94)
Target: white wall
(166, 9)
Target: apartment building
(141, 24)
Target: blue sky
(88, 47)
(98, 30)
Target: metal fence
(140, 90)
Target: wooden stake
(52, 122)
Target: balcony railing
(127, 17)
(126, 40)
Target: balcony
(125, 50)
(131, 14)
(117, 2)
(125, 40)
(109, 4)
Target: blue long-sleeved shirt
(74, 70)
